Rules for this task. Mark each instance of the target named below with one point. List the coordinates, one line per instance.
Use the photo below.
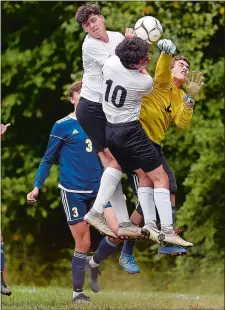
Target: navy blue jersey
(79, 167)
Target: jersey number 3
(118, 89)
(88, 145)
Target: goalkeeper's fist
(193, 84)
(166, 46)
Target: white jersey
(94, 53)
(122, 91)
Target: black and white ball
(149, 29)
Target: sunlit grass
(29, 298)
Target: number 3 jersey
(79, 167)
(122, 91)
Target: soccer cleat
(151, 231)
(4, 289)
(172, 250)
(81, 298)
(173, 238)
(128, 263)
(128, 229)
(97, 220)
(93, 274)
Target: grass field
(35, 298)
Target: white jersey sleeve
(123, 90)
(94, 54)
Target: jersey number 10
(118, 88)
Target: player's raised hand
(4, 129)
(31, 197)
(166, 46)
(130, 33)
(194, 83)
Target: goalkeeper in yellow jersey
(167, 103)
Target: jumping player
(125, 81)
(167, 103)
(98, 45)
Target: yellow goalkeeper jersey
(164, 104)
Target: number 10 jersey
(122, 91)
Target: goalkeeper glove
(166, 46)
(194, 84)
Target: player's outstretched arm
(163, 71)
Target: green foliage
(41, 56)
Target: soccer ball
(149, 29)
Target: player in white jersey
(125, 81)
(98, 45)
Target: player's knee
(83, 245)
(160, 178)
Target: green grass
(52, 298)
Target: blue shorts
(76, 205)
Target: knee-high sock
(119, 205)
(109, 181)
(128, 247)
(78, 270)
(2, 256)
(163, 205)
(105, 249)
(146, 199)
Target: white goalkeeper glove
(166, 46)
(193, 84)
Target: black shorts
(131, 147)
(133, 178)
(93, 121)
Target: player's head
(133, 53)
(74, 92)
(180, 67)
(89, 16)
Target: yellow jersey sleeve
(162, 71)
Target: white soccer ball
(149, 29)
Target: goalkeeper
(167, 103)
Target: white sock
(93, 263)
(163, 205)
(146, 199)
(119, 205)
(109, 181)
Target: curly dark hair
(84, 11)
(130, 51)
(178, 57)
